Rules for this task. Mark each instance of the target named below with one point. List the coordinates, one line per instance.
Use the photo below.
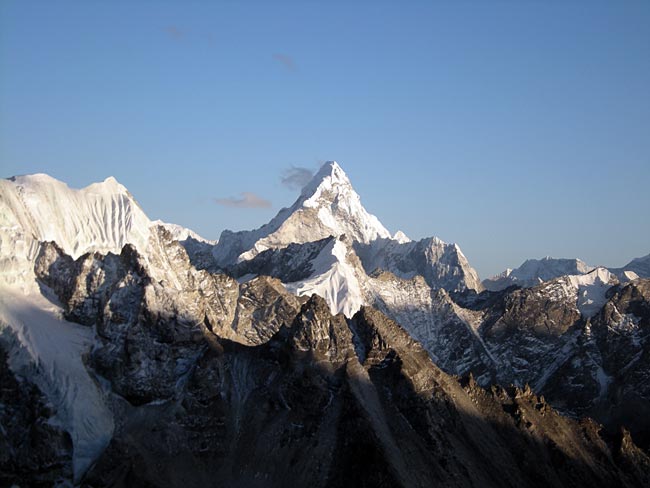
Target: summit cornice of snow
(327, 206)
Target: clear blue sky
(514, 128)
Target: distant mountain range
(318, 348)
(535, 271)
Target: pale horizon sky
(515, 129)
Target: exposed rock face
(201, 379)
(621, 334)
(248, 385)
(529, 442)
(596, 366)
(442, 265)
(545, 335)
(152, 330)
(289, 264)
(263, 307)
(435, 320)
(327, 403)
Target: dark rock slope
(327, 403)
(33, 451)
(220, 384)
(585, 366)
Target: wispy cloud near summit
(247, 200)
(296, 177)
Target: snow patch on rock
(334, 278)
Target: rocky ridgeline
(142, 361)
(248, 385)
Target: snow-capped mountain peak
(401, 237)
(638, 267)
(535, 271)
(329, 176)
(327, 206)
(34, 208)
(339, 205)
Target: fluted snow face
(101, 217)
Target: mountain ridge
(128, 309)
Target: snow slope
(592, 289)
(101, 217)
(335, 278)
(637, 268)
(49, 350)
(180, 233)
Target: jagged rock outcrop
(183, 375)
(151, 330)
(327, 402)
(442, 265)
(584, 365)
(197, 400)
(621, 334)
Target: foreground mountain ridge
(531, 336)
(308, 396)
(126, 324)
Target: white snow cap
(327, 206)
(339, 205)
(401, 237)
(331, 173)
(34, 208)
